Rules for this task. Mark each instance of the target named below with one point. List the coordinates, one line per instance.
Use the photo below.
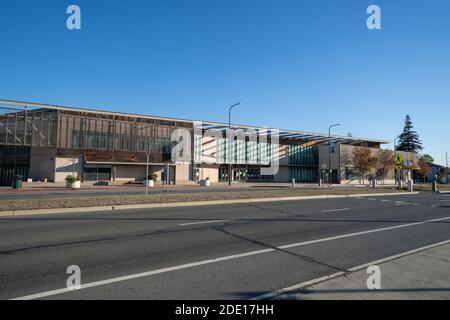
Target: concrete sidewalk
(418, 276)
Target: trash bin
(17, 182)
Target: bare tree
(424, 168)
(384, 164)
(364, 162)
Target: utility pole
(230, 143)
(329, 152)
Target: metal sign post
(398, 161)
(167, 172)
(148, 151)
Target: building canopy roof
(209, 125)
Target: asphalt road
(216, 252)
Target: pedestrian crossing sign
(398, 159)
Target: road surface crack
(302, 257)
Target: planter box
(149, 183)
(205, 183)
(75, 185)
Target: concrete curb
(189, 204)
(444, 192)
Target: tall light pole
(230, 142)
(329, 152)
(397, 172)
(446, 166)
(395, 143)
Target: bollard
(410, 186)
(400, 184)
(434, 186)
(374, 183)
(320, 182)
(293, 182)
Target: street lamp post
(395, 143)
(230, 142)
(446, 167)
(329, 152)
(397, 172)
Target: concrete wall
(183, 172)
(212, 173)
(282, 175)
(42, 164)
(64, 168)
(324, 156)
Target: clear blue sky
(292, 64)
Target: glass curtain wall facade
(247, 158)
(303, 163)
(19, 130)
(28, 127)
(114, 133)
(14, 160)
(244, 152)
(94, 136)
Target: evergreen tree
(409, 139)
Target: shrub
(153, 177)
(72, 179)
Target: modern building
(48, 142)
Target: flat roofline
(78, 109)
(211, 123)
(130, 163)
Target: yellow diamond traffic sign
(398, 167)
(398, 159)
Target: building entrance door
(240, 174)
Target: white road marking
(202, 222)
(219, 259)
(407, 204)
(336, 210)
(361, 233)
(279, 292)
(386, 200)
(402, 203)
